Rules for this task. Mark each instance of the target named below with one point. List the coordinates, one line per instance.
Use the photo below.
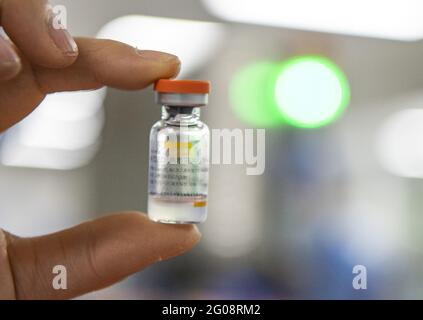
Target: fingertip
(170, 64)
(188, 235)
(153, 65)
(182, 237)
(175, 68)
(157, 241)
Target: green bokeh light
(304, 91)
(252, 95)
(311, 91)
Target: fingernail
(10, 62)
(157, 56)
(60, 35)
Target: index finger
(100, 62)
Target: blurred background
(338, 86)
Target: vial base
(172, 210)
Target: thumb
(96, 254)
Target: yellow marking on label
(199, 204)
(172, 144)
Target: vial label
(178, 169)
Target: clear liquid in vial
(177, 210)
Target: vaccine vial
(179, 153)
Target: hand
(39, 60)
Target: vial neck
(180, 115)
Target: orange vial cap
(182, 86)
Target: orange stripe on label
(199, 204)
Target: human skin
(38, 60)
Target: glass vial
(179, 154)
